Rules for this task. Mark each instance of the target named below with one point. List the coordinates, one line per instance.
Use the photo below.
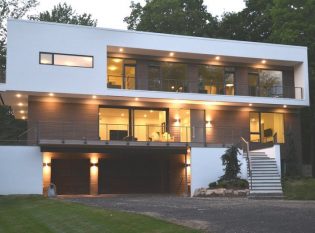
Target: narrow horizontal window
(66, 60)
(46, 58)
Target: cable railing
(212, 88)
(245, 147)
(149, 133)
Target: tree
(10, 9)
(10, 127)
(63, 13)
(253, 23)
(183, 17)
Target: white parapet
(206, 166)
(21, 170)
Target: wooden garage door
(71, 176)
(133, 175)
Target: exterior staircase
(265, 180)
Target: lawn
(32, 214)
(299, 189)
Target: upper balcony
(228, 79)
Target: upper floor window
(266, 83)
(121, 73)
(167, 76)
(66, 60)
(216, 80)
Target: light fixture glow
(151, 111)
(22, 111)
(116, 60)
(250, 104)
(171, 54)
(122, 114)
(20, 104)
(145, 115)
(121, 49)
(285, 106)
(217, 58)
(51, 94)
(94, 97)
(263, 61)
(136, 99)
(229, 84)
(112, 68)
(23, 117)
(18, 95)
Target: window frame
(259, 114)
(66, 54)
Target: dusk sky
(110, 13)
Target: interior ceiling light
(217, 58)
(20, 104)
(171, 54)
(51, 94)
(18, 95)
(250, 104)
(263, 61)
(121, 49)
(94, 97)
(285, 106)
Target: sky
(110, 13)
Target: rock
(200, 192)
(220, 191)
(210, 192)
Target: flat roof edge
(156, 34)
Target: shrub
(231, 163)
(213, 185)
(233, 184)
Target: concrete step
(258, 178)
(277, 181)
(267, 188)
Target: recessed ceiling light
(217, 58)
(145, 115)
(18, 95)
(121, 49)
(171, 54)
(151, 111)
(23, 117)
(136, 99)
(263, 61)
(51, 94)
(122, 114)
(22, 111)
(285, 106)
(94, 97)
(20, 104)
(250, 104)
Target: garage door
(71, 176)
(133, 175)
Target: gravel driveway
(213, 215)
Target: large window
(121, 73)
(265, 127)
(131, 124)
(216, 80)
(167, 76)
(266, 83)
(65, 60)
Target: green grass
(32, 214)
(299, 189)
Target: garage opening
(71, 176)
(142, 173)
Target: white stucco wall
(206, 166)
(20, 170)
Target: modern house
(115, 111)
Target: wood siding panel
(241, 81)
(227, 126)
(288, 84)
(63, 120)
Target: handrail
(249, 164)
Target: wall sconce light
(188, 150)
(46, 164)
(209, 124)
